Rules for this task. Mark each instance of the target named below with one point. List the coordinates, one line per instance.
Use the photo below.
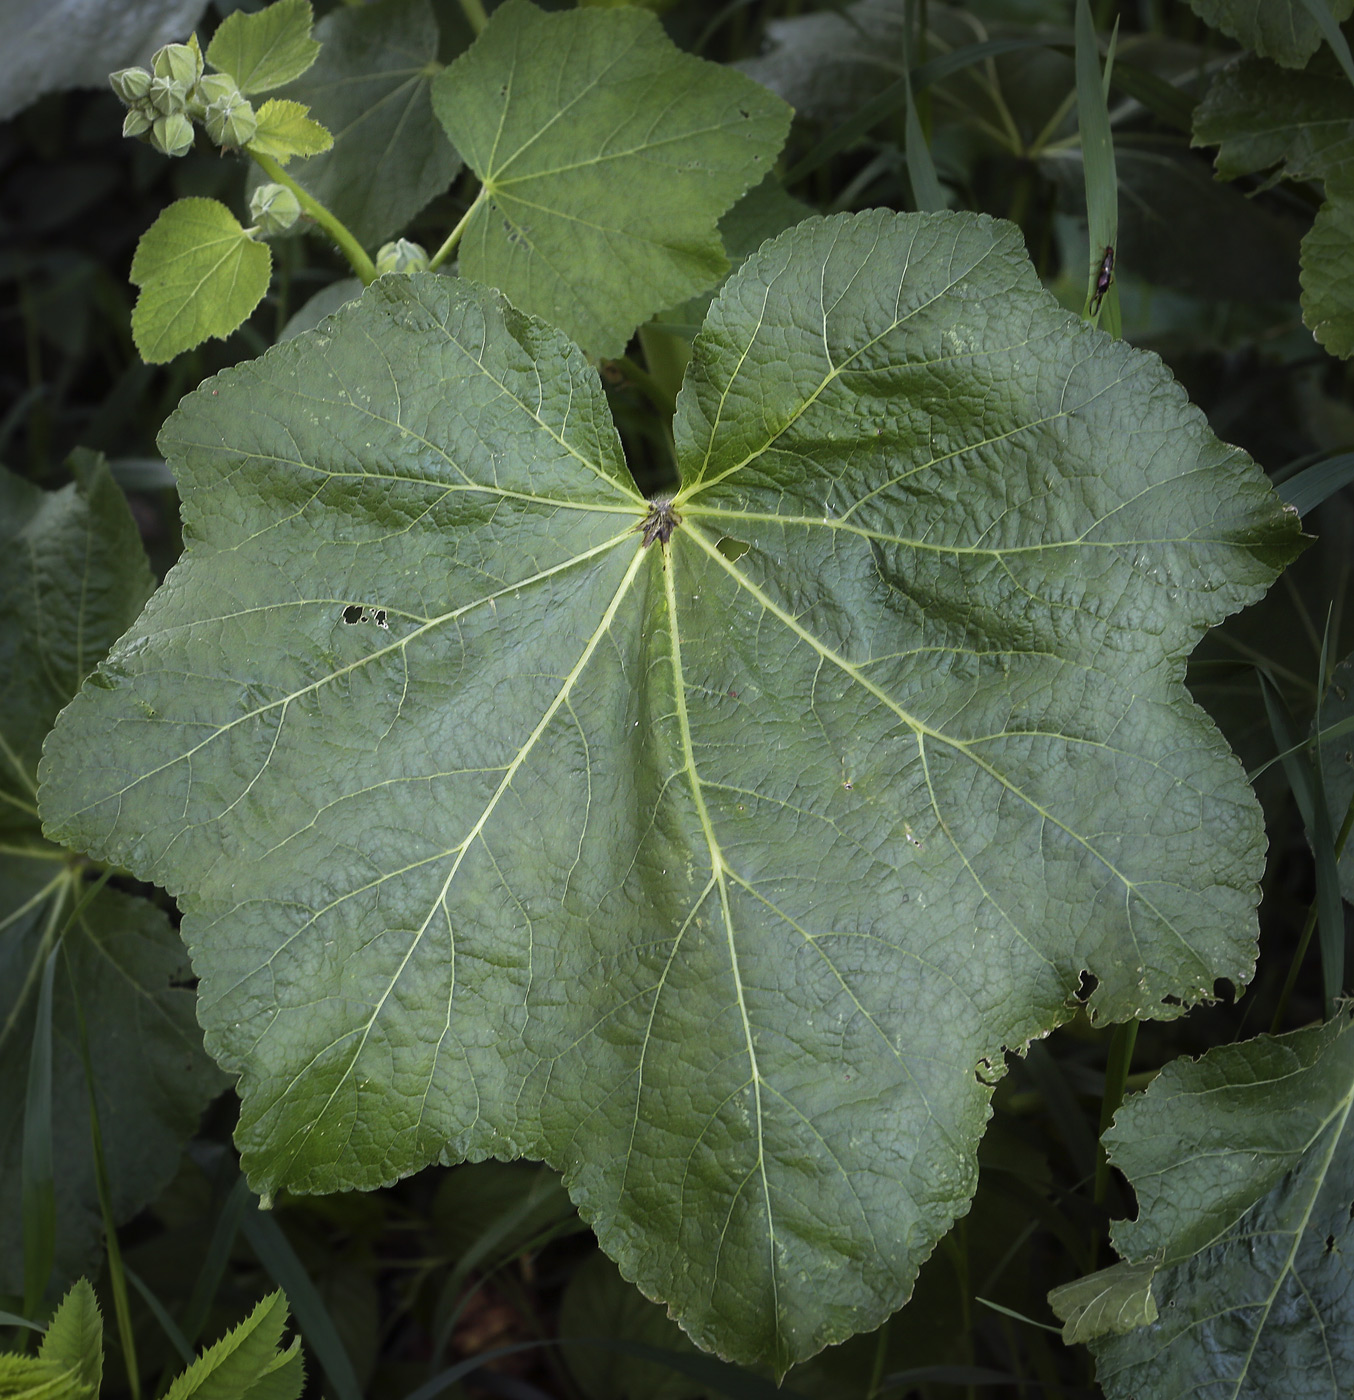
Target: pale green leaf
(246, 1364)
(1283, 30)
(370, 87)
(1328, 270)
(285, 130)
(73, 576)
(1243, 1164)
(74, 1340)
(717, 872)
(261, 51)
(200, 274)
(1109, 1302)
(324, 303)
(607, 157)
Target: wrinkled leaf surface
(1243, 1163)
(716, 871)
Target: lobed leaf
(712, 849)
(264, 50)
(1283, 30)
(607, 157)
(370, 88)
(201, 276)
(1243, 1162)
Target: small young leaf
(1243, 1162)
(262, 51)
(74, 1341)
(598, 211)
(285, 130)
(370, 87)
(1108, 1302)
(1283, 30)
(716, 877)
(200, 275)
(246, 1363)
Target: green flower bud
(129, 84)
(273, 209)
(167, 96)
(180, 63)
(208, 90)
(172, 134)
(230, 121)
(401, 256)
(136, 122)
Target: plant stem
(454, 237)
(1295, 966)
(334, 227)
(1116, 1076)
(474, 14)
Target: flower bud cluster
(163, 104)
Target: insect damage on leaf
(660, 522)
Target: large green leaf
(1259, 116)
(717, 871)
(369, 87)
(1283, 30)
(607, 157)
(1302, 126)
(72, 578)
(1327, 273)
(1243, 1162)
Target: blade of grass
(1097, 152)
(718, 1377)
(1295, 966)
(1339, 45)
(116, 1276)
(215, 1259)
(9, 1319)
(927, 194)
(1019, 1317)
(1304, 779)
(38, 1180)
(1305, 490)
(312, 1317)
(894, 98)
(1116, 1077)
(167, 1324)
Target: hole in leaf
(1171, 1000)
(743, 114)
(731, 548)
(1330, 1243)
(352, 613)
(1086, 986)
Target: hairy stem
(454, 237)
(358, 260)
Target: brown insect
(1103, 279)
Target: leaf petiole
(454, 237)
(357, 257)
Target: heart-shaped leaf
(712, 848)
